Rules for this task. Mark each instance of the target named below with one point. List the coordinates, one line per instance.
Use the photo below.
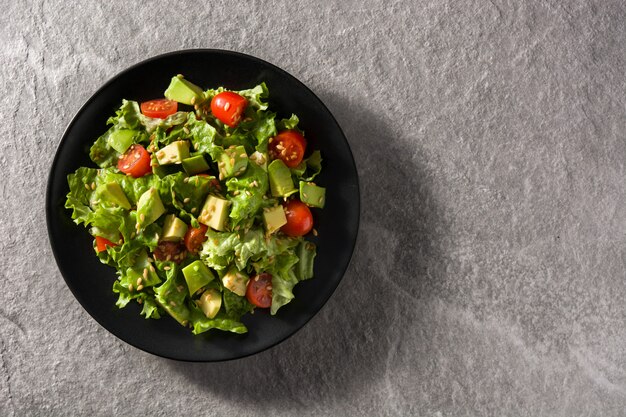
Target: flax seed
(186, 200)
(166, 268)
(138, 282)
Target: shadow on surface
(347, 345)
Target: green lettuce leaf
(201, 323)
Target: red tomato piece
(288, 146)
(102, 243)
(135, 162)
(299, 219)
(228, 107)
(170, 251)
(194, 238)
(159, 108)
(259, 291)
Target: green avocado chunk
(174, 153)
(281, 183)
(214, 212)
(236, 281)
(149, 208)
(183, 91)
(195, 165)
(120, 140)
(312, 195)
(210, 302)
(174, 229)
(197, 275)
(274, 218)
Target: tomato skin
(159, 108)
(174, 250)
(194, 238)
(299, 219)
(259, 290)
(102, 243)
(135, 162)
(288, 146)
(228, 107)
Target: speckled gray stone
(489, 275)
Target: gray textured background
(489, 274)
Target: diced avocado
(274, 218)
(312, 195)
(149, 208)
(120, 140)
(232, 162)
(174, 229)
(197, 275)
(183, 91)
(165, 170)
(174, 153)
(112, 193)
(210, 302)
(195, 164)
(281, 183)
(260, 159)
(214, 212)
(236, 281)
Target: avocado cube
(149, 208)
(260, 159)
(120, 140)
(195, 164)
(232, 162)
(274, 218)
(210, 302)
(197, 275)
(112, 193)
(214, 212)
(312, 195)
(174, 153)
(174, 229)
(183, 91)
(165, 170)
(236, 281)
(281, 183)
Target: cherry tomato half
(288, 146)
(259, 291)
(135, 162)
(170, 251)
(194, 238)
(228, 107)
(299, 219)
(102, 243)
(159, 108)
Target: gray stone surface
(488, 278)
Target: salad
(201, 201)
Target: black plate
(337, 223)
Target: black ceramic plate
(90, 281)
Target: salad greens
(193, 230)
